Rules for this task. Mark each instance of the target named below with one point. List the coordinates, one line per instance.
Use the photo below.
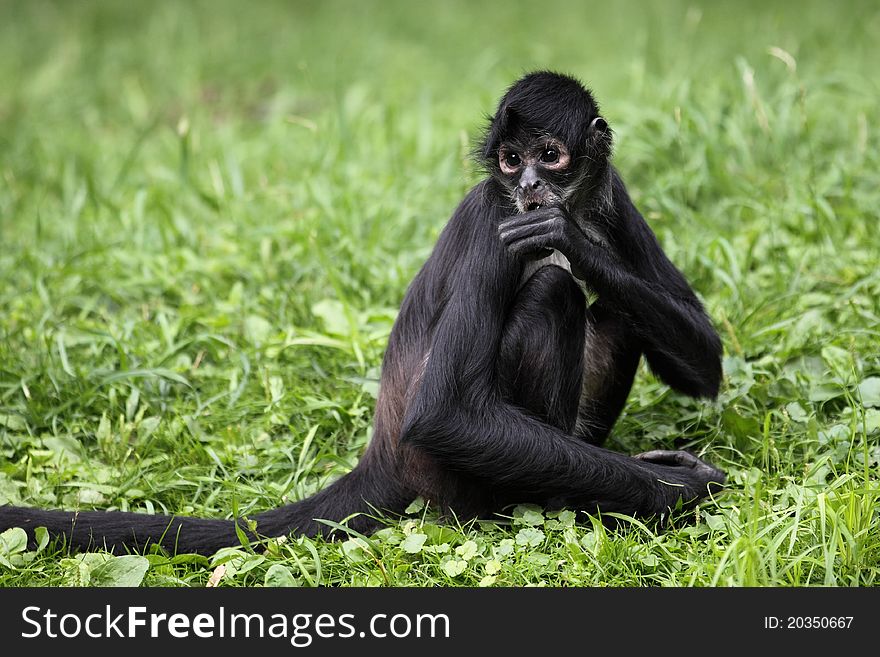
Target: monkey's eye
(550, 155)
(512, 160)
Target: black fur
(500, 381)
(533, 105)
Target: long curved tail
(358, 492)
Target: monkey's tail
(358, 492)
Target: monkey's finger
(518, 222)
(531, 218)
(529, 244)
(701, 473)
(512, 233)
(670, 457)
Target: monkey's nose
(530, 179)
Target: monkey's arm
(661, 309)
(460, 418)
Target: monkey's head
(546, 141)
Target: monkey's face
(536, 171)
(546, 143)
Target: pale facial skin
(529, 169)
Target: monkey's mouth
(530, 202)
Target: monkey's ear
(599, 136)
(598, 124)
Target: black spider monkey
(501, 380)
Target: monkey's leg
(540, 362)
(570, 366)
(611, 358)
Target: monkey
(511, 358)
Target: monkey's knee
(551, 291)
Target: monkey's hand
(551, 228)
(545, 228)
(683, 476)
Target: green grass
(209, 214)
